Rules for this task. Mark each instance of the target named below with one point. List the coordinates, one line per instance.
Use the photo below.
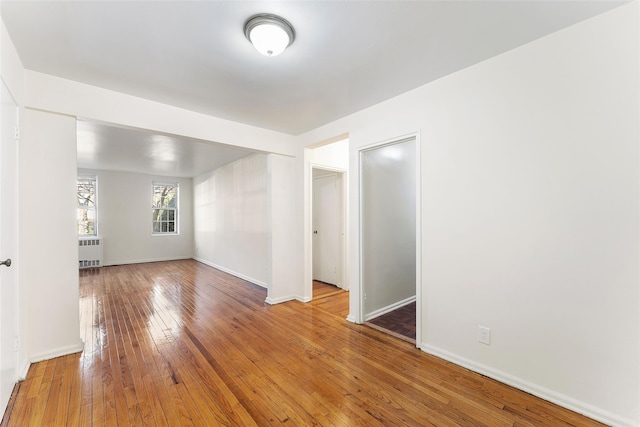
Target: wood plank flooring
(182, 344)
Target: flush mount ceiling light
(269, 34)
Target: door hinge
(16, 132)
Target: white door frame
(359, 299)
(308, 239)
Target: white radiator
(90, 252)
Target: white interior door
(327, 229)
(8, 246)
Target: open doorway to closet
(388, 239)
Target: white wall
(530, 213)
(334, 155)
(11, 66)
(48, 250)
(231, 218)
(285, 223)
(124, 218)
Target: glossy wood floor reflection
(180, 343)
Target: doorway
(328, 225)
(8, 246)
(389, 244)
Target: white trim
(560, 399)
(58, 352)
(89, 237)
(389, 141)
(418, 240)
(389, 308)
(280, 300)
(23, 370)
(234, 273)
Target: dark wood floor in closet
(400, 322)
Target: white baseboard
(279, 300)
(23, 369)
(560, 399)
(58, 352)
(351, 318)
(389, 308)
(233, 273)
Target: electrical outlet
(484, 335)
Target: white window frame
(175, 209)
(94, 208)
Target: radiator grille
(90, 252)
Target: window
(165, 208)
(87, 207)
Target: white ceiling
(105, 147)
(347, 55)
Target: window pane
(159, 193)
(86, 195)
(165, 195)
(154, 220)
(86, 222)
(171, 198)
(172, 227)
(157, 196)
(86, 192)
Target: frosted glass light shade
(269, 34)
(269, 40)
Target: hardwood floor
(180, 343)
